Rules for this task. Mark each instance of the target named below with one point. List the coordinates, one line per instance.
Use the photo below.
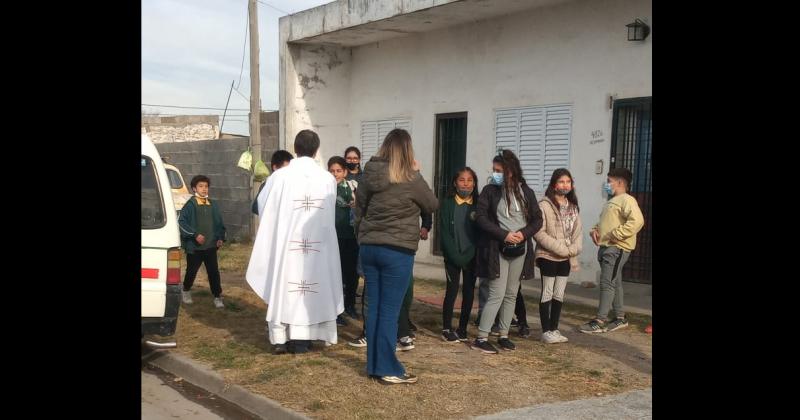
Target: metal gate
(451, 155)
(632, 148)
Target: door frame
(639, 268)
(437, 148)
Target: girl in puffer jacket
(558, 244)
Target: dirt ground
(454, 381)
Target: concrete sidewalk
(204, 377)
(638, 297)
(630, 405)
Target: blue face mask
(607, 189)
(464, 193)
(497, 178)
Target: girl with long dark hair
(509, 217)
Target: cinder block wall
(230, 184)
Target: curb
(213, 382)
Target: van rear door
(159, 234)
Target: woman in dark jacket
(509, 216)
(389, 199)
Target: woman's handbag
(512, 250)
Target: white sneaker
(549, 338)
(186, 296)
(218, 303)
(561, 338)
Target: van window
(174, 179)
(153, 216)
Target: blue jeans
(387, 273)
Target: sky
(192, 50)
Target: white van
(180, 191)
(161, 256)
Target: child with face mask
(558, 244)
(615, 234)
(457, 238)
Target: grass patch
(233, 258)
(274, 372)
(316, 362)
(227, 356)
(331, 383)
(315, 405)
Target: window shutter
(369, 134)
(557, 137)
(539, 136)
(373, 133)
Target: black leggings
(467, 295)
(348, 257)
(550, 311)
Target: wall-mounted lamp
(638, 30)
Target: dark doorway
(632, 148)
(451, 154)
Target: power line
(244, 47)
(242, 94)
(194, 107)
(269, 5)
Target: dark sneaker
(340, 321)
(299, 346)
(279, 349)
(524, 331)
(506, 344)
(449, 336)
(514, 322)
(361, 341)
(592, 327)
(462, 336)
(484, 346)
(404, 344)
(405, 379)
(616, 324)
(495, 330)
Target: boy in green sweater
(202, 233)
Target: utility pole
(255, 104)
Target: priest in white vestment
(295, 263)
